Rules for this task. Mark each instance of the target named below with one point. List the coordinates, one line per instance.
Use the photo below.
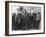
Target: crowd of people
(26, 21)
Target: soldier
(38, 20)
(13, 21)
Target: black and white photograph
(25, 18)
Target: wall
(2, 18)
